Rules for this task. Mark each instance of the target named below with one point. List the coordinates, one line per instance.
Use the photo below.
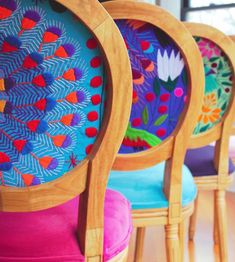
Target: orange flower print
(210, 113)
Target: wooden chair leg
(139, 245)
(215, 229)
(193, 220)
(222, 224)
(172, 243)
(93, 259)
(182, 239)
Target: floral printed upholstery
(218, 86)
(159, 85)
(51, 88)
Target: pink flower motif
(208, 48)
(178, 92)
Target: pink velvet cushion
(50, 235)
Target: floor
(202, 249)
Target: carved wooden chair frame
(90, 177)
(220, 134)
(173, 149)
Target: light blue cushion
(144, 188)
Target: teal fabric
(143, 188)
(51, 106)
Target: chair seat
(200, 162)
(50, 235)
(144, 188)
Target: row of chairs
(107, 116)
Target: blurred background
(218, 13)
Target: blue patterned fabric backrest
(159, 85)
(51, 91)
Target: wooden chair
(233, 129)
(162, 83)
(211, 166)
(56, 69)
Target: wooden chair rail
(221, 131)
(90, 177)
(174, 148)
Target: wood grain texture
(215, 222)
(192, 221)
(90, 177)
(155, 217)
(233, 128)
(202, 249)
(176, 30)
(139, 244)
(182, 235)
(220, 209)
(172, 243)
(221, 134)
(119, 96)
(233, 131)
(114, 123)
(174, 148)
(45, 195)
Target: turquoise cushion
(144, 188)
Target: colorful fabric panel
(218, 86)
(51, 90)
(159, 85)
(144, 187)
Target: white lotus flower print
(169, 67)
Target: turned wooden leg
(93, 259)
(139, 245)
(182, 239)
(172, 243)
(222, 224)
(191, 251)
(215, 229)
(192, 221)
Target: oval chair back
(217, 114)
(167, 74)
(57, 69)
(233, 128)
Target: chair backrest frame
(173, 149)
(233, 128)
(90, 177)
(221, 131)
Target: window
(217, 13)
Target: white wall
(149, 1)
(173, 6)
